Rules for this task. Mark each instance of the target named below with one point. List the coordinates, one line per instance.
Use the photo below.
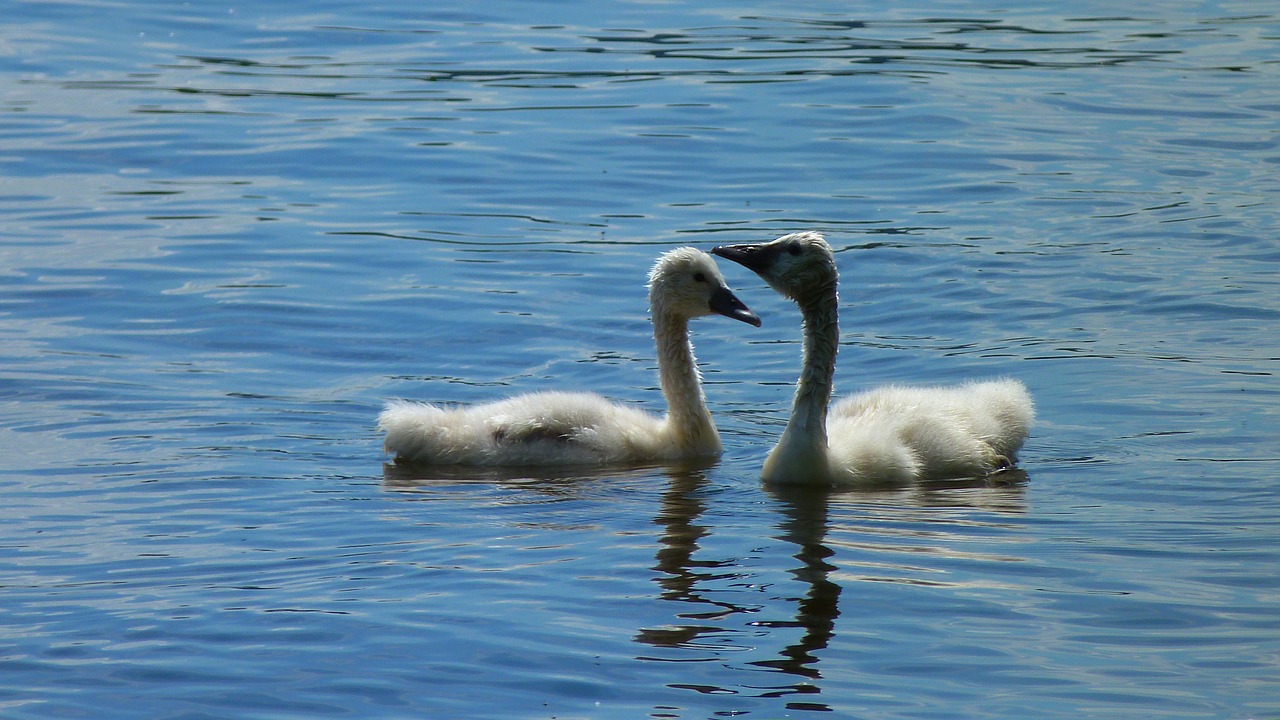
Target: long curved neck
(689, 421)
(801, 454)
(821, 342)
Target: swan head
(798, 266)
(686, 283)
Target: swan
(579, 428)
(886, 435)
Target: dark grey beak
(724, 302)
(756, 258)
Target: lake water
(231, 232)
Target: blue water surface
(229, 233)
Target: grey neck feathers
(681, 381)
(819, 309)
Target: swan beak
(724, 302)
(756, 258)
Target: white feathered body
(897, 434)
(538, 429)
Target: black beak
(724, 302)
(756, 258)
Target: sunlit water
(229, 233)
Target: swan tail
(422, 432)
(1012, 413)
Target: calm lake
(231, 232)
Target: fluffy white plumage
(887, 435)
(897, 434)
(576, 428)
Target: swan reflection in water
(722, 601)
(722, 625)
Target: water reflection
(411, 476)
(1003, 492)
(806, 523)
(682, 575)
(728, 606)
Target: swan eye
(699, 277)
(793, 249)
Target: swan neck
(821, 342)
(687, 413)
